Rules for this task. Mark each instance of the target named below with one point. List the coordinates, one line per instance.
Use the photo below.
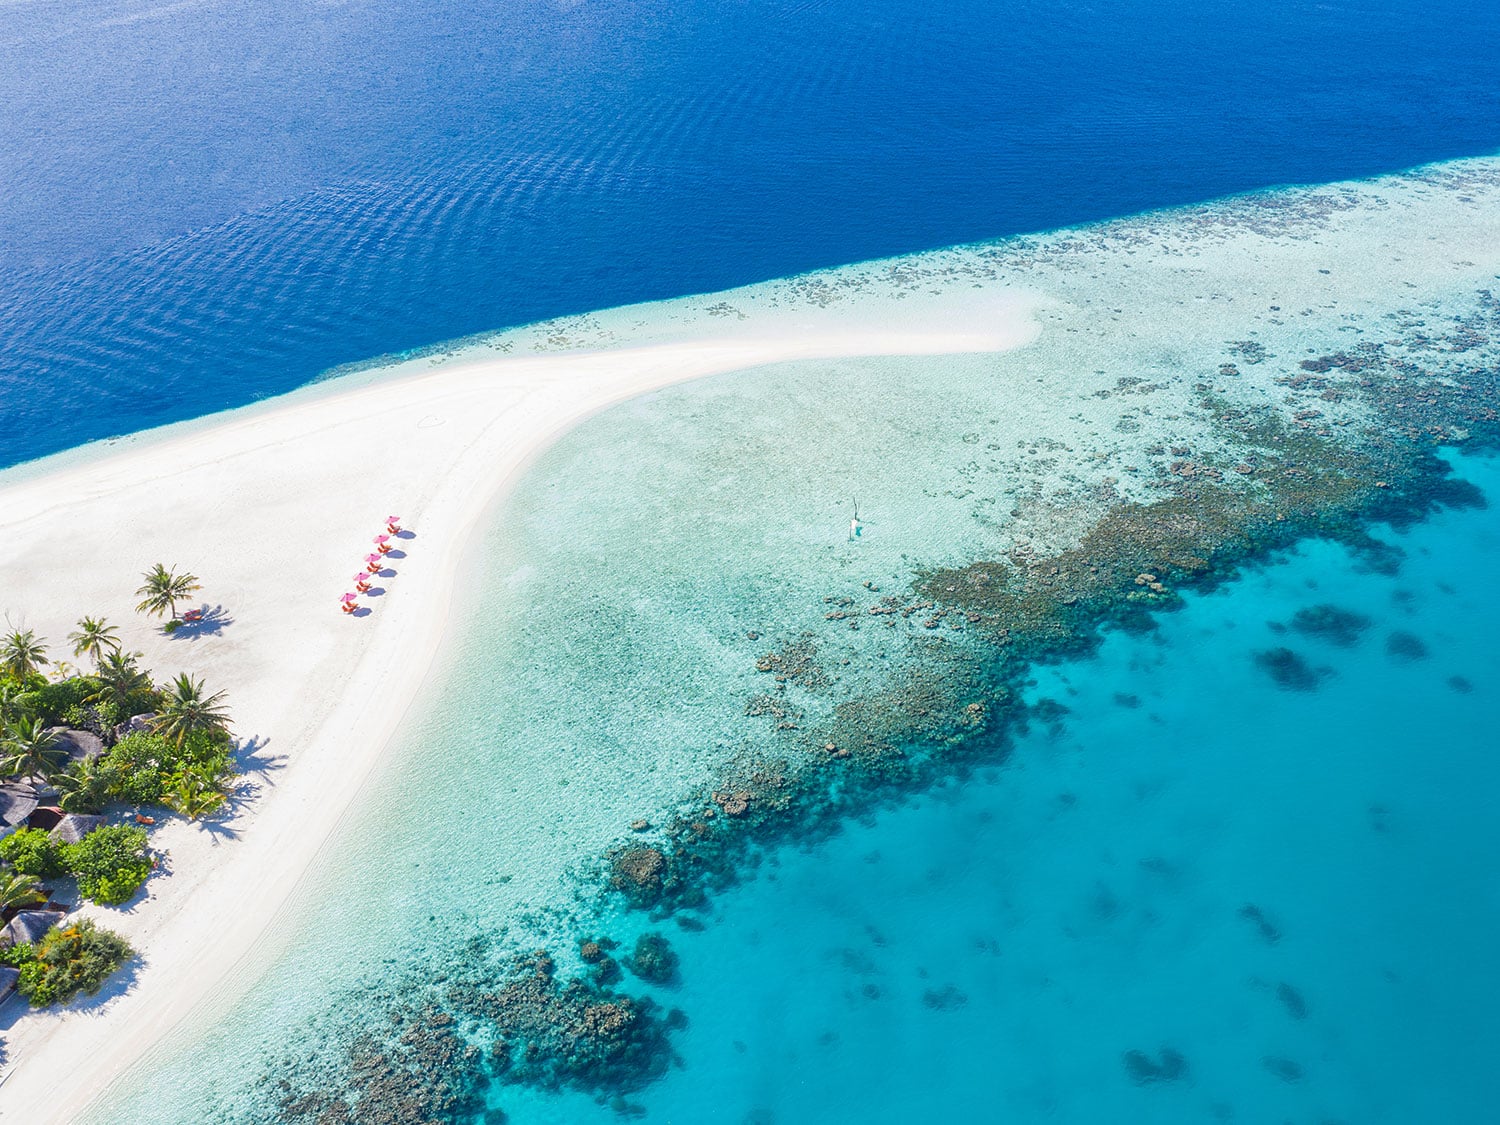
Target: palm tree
(163, 589)
(119, 679)
(19, 891)
(94, 638)
(21, 654)
(29, 750)
(192, 796)
(83, 788)
(9, 690)
(186, 710)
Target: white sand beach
(274, 509)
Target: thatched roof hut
(75, 826)
(18, 800)
(28, 926)
(78, 745)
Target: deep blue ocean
(205, 203)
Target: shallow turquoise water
(995, 949)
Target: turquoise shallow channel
(1234, 862)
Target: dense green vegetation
(71, 958)
(110, 863)
(162, 745)
(34, 853)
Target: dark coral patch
(1405, 646)
(653, 960)
(1292, 1001)
(1268, 931)
(1284, 1069)
(1330, 623)
(1168, 1066)
(945, 999)
(1289, 670)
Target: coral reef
(653, 960)
(435, 1059)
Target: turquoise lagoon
(1195, 895)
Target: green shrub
(17, 955)
(142, 768)
(207, 748)
(137, 768)
(96, 717)
(110, 863)
(73, 958)
(33, 852)
(50, 702)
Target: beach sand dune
(274, 509)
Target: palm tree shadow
(209, 623)
(255, 767)
(219, 823)
(251, 757)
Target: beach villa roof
(8, 978)
(18, 800)
(75, 826)
(28, 926)
(78, 745)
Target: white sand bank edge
(274, 510)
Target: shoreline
(263, 506)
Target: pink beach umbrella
(362, 581)
(372, 563)
(382, 543)
(393, 524)
(347, 598)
